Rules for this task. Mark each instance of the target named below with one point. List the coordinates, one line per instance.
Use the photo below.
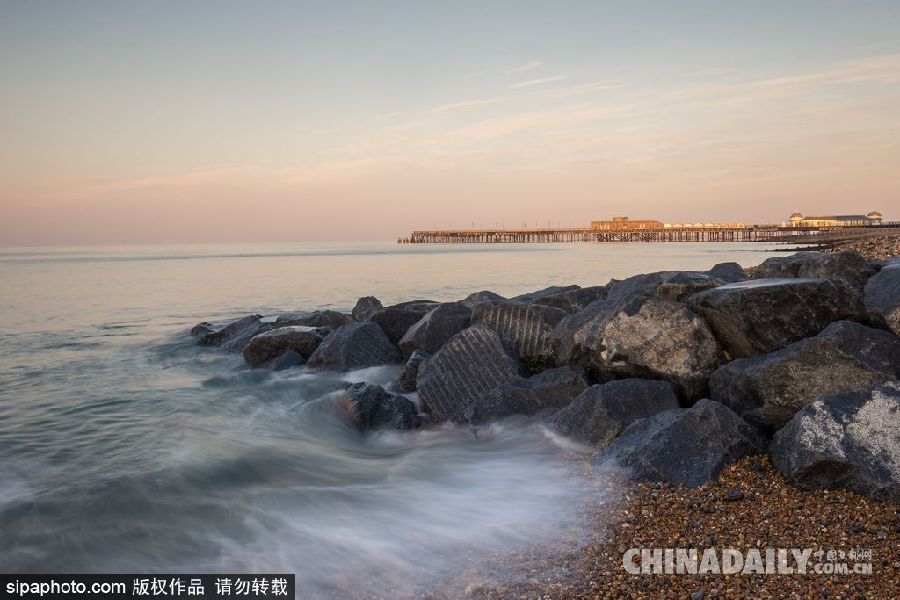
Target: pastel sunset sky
(189, 121)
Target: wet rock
(552, 290)
(270, 344)
(882, 297)
(762, 315)
(683, 446)
(729, 272)
(467, 367)
(202, 329)
(602, 412)
(354, 346)
(290, 358)
(476, 298)
(366, 307)
(526, 328)
(317, 318)
(850, 440)
(405, 383)
(233, 336)
(548, 390)
(681, 285)
(768, 390)
(434, 329)
(370, 407)
(575, 300)
(396, 320)
(644, 337)
(847, 270)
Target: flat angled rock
(849, 440)
(847, 270)
(467, 367)
(396, 320)
(729, 272)
(476, 298)
(602, 412)
(882, 297)
(316, 318)
(434, 329)
(233, 336)
(548, 390)
(682, 446)
(525, 327)
(762, 315)
(574, 300)
(271, 344)
(545, 292)
(680, 286)
(354, 346)
(769, 389)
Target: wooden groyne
(706, 233)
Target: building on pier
(800, 220)
(624, 224)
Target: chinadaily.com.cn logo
(761, 561)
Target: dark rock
(847, 270)
(405, 383)
(526, 328)
(366, 307)
(370, 406)
(233, 336)
(680, 286)
(769, 389)
(548, 390)
(467, 367)
(698, 595)
(575, 300)
(602, 412)
(762, 315)
(644, 284)
(290, 358)
(202, 329)
(882, 297)
(396, 320)
(734, 495)
(434, 329)
(850, 440)
(686, 446)
(354, 346)
(644, 337)
(729, 272)
(476, 298)
(552, 290)
(270, 344)
(317, 318)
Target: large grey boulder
(547, 391)
(396, 320)
(847, 270)
(683, 446)
(476, 298)
(525, 328)
(405, 383)
(644, 337)
(370, 406)
(275, 342)
(728, 272)
(681, 285)
(467, 367)
(882, 297)
(602, 412)
(317, 318)
(366, 307)
(768, 390)
(354, 346)
(434, 329)
(233, 336)
(762, 315)
(574, 300)
(552, 290)
(849, 440)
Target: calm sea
(125, 448)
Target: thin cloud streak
(464, 104)
(529, 66)
(541, 81)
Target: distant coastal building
(624, 223)
(799, 220)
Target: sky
(190, 121)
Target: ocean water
(126, 448)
